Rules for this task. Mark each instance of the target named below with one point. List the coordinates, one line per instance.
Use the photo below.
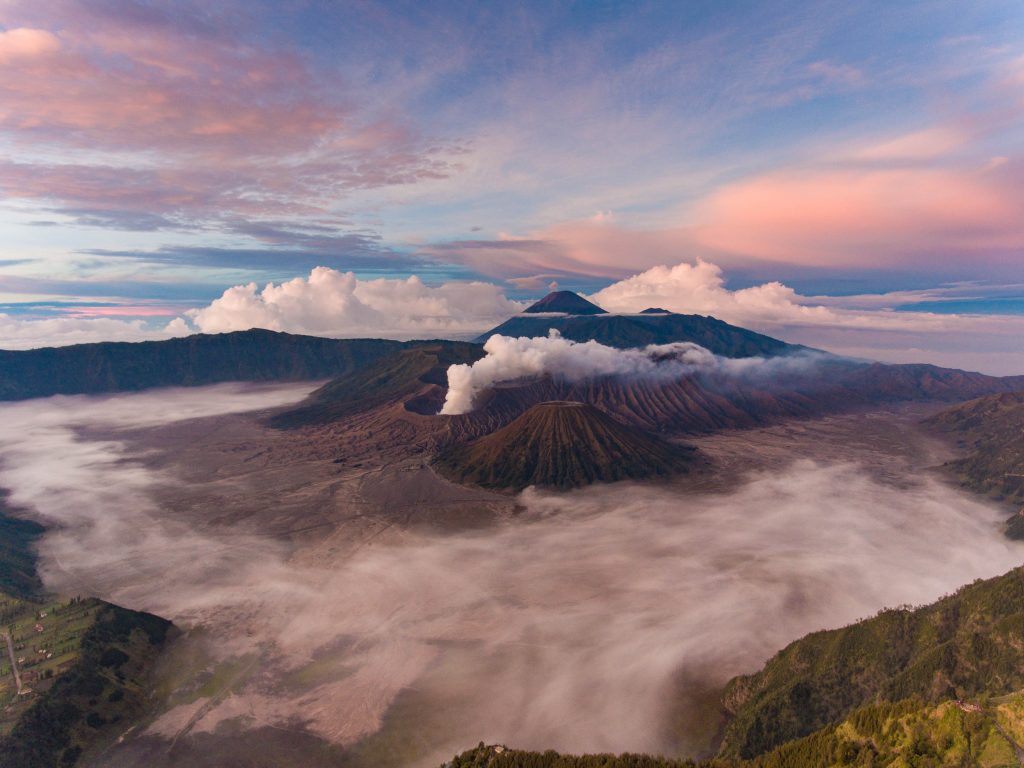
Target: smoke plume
(510, 359)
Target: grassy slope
(903, 734)
(97, 689)
(46, 635)
(964, 645)
(84, 663)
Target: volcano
(567, 303)
(653, 326)
(562, 444)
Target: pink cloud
(865, 217)
(173, 118)
(146, 90)
(936, 141)
(594, 246)
(139, 310)
(24, 44)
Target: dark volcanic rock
(625, 331)
(402, 374)
(562, 445)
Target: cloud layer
(18, 333)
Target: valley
(322, 618)
(543, 542)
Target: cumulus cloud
(510, 359)
(700, 289)
(332, 303)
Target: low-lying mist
(595, 620)
(107, 535)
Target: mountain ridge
(253, 355)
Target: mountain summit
(566, 302)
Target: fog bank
(594, 621)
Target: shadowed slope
(401, 374)
(562, 445)
(254, 355)
(624, 331)
(991, 430)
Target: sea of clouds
(595, 620)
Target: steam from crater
(509, 359)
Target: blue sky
(156, 154)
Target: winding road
(14, 661)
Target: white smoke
(511, 359)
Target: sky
(848, 175)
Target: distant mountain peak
(566, 302)
(655, 311)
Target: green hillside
(18, 575)
(965, 645)
(82, 667)
(906, 734)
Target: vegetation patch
(966, 645)
(82, 669)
